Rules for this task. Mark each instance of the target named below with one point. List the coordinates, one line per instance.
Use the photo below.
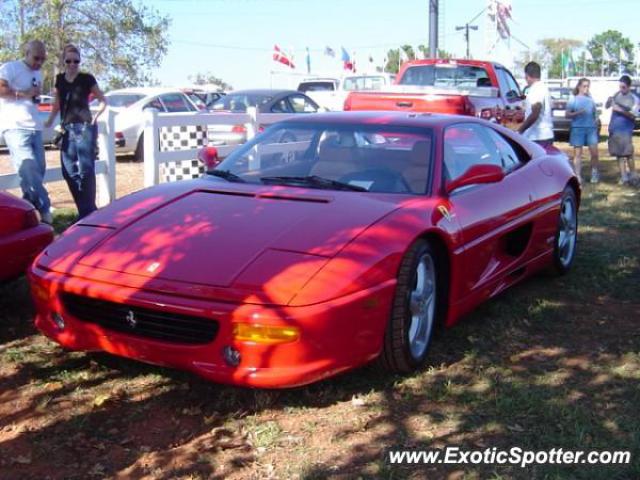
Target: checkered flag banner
(191, 137)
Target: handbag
(58, 137)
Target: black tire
(139, 153)
(399, 353)
(564, 253)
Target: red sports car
(22, 236)
(326, 242)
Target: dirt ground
(551, 363)
(129, 178)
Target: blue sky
(233, 39)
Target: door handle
(404, 104)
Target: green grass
(550, 363)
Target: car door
(495, 218)
(512, 112)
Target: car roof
(146, 91)
(263, 91)
(384, 118)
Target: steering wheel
(383, 180)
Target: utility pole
(434, 10)
(466, 29)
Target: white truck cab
(331, 93)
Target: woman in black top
(78, 150)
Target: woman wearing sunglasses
(78, 148)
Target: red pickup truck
(463, 87)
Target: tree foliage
(209, 79)
(120, 42)
(551, 51)
(394, 60)
(616, 46)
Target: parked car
(266, 101)
(291, 262)
(22, 236)
(203, 98)
(560, 96)
(129, 104)
(331, 93)
(457, 86)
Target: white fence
(155, 121)
(105, 164)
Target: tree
(619, 50)
(120, 42)
(551, 53)
(394, 61)
(209, 79)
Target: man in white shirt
(538, 122)
(20, 85)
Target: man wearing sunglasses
(20, 85)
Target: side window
(155, 103)
(466, 145)
(300, 104)
(509, 157)
(508, 85)
(281, 106)
(175, 102)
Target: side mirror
(483, 173)
(209, 157)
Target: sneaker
(46, 218)
(595, 175)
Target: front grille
(140, 321)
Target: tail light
(209, 157)
(239, 129)
(347, 103)
(468, 108)
(119, 139)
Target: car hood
(211, 236)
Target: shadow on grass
(551, 363)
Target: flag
(499, 11)
(346, 60)
(624, 57)
(605, 55)
(587, 56)
(308, 60)
(280, 56)
(329, 51)
(403, 55)
(571, 64)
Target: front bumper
(334, 336)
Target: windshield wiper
(227, 175)
(315, 182)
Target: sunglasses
(39, 59)
(72, 61)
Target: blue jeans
(78, 165)
(27, 157)
(583, 136)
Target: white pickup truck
(332, 92)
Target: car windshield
(122, 99)
(446, 76)
(364, 83)
(316, 87)
(239, 102)
(371, 158)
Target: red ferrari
(324, 243)
(22, 236)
